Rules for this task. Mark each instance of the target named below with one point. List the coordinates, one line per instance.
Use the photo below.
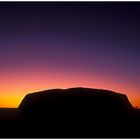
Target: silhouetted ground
(71, 113)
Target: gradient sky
(61, 45)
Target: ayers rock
(75, 100)
(77, 113)
(74, 113)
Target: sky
(61, 45)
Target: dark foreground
(71, 113)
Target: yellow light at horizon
(15, 86)
(13, 100)
(10, 101)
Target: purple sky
(90, 39)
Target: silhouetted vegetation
(71, 113)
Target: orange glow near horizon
(15, 87)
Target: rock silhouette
(75, 100)
(74, 113)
